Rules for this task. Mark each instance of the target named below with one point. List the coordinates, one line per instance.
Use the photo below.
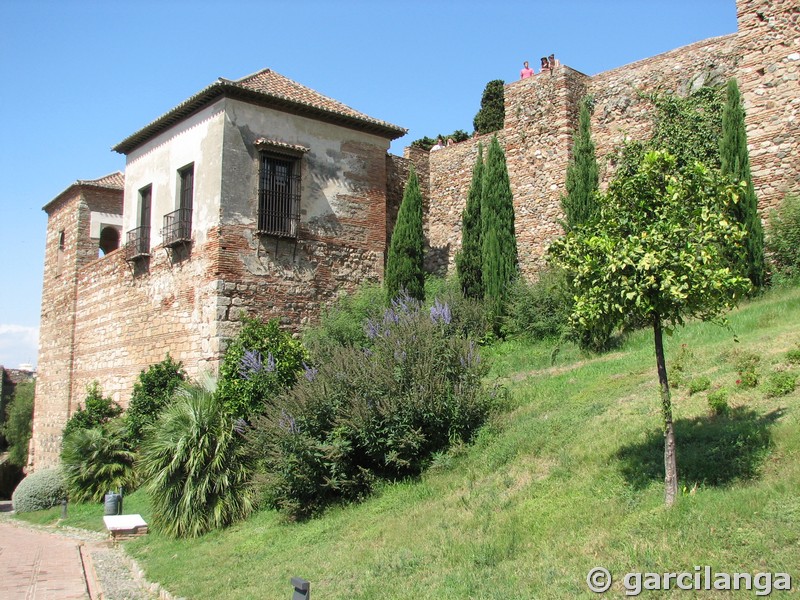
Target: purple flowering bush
(373, 412)
(259, 364)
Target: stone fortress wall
(190, 307)
(541, 116)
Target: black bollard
(64, 508)
(302, 589)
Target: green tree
(492, 113)
(151, 392)
(96, 411)
(405, 263)
(736, 164)
(658, 252)
(579, 204)
(19, 420)
(469, 261)
(498, 237)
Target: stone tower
(84, 221)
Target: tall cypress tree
(492, 114)
(579, 204)
(404, 265)
(469, 261)
(499, 240)
(736, 164)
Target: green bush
(679, 367)
(374, 412)
(718, 402)
(18, 423)
(540, 309)
(96, 410)
(259, 363)
(780, 383)
(699, 384)
(746, 363)
(793, 356)
(40, 490)
(151, 392)
(783, 240)
(468, 316)
(96, 461)
(342, 324)
(194, 466)
(492, 114)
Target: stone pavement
(40, 563)
(40, 566)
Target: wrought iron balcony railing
(138, 243)
(177, 227)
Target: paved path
(39, 566)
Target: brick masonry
(104, 320)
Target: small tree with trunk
(404, 264)
(469, 261)
(498, 238)
(736, 164)
(580, 204)
(658, 252)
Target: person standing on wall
(526, 71)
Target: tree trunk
(670, 467)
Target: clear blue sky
(78, 77)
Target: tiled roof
(112, 181)
(271, 89)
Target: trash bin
(113, 504)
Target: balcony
(137, 244)
(177, 228)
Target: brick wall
(769, 79)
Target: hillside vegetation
(568, 477)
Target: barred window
(278, 195)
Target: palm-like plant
(195, 467)
(96, 461)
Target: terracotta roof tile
(112, 181)
(266, 88)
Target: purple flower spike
(270, 363)
(310, 373)
(440, 313)
(250, 364)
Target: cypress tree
(469, 260)
(404, 265)
(736, 164)
(498, 237)
(492, 113)
(579, 204)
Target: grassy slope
(560, 483)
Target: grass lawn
(569, 477)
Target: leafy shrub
(40, 490)
(342, 324)
(783, 240)
(746, 363)
(96, 410)
(699, 384)
(18, 423)
(376, 412)
(259, 363)
(718, 402)
(194, 466)
(541, 309)
(426, 143)
(468, 315)
(96, 461)
(780, 383)
(151, 392)
(793, 356)
(492, 113)
(679, 367)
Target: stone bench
(125, 527)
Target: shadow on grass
(711, 450)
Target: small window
(60, 253)
(278, 195)
(138, 242)
(109, 240)
(186, 187)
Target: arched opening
(109, 240)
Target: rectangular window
(138, 242)
(177, 227)
(278, 195)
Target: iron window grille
(278, 196)
(177, 227)
(138, 243)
